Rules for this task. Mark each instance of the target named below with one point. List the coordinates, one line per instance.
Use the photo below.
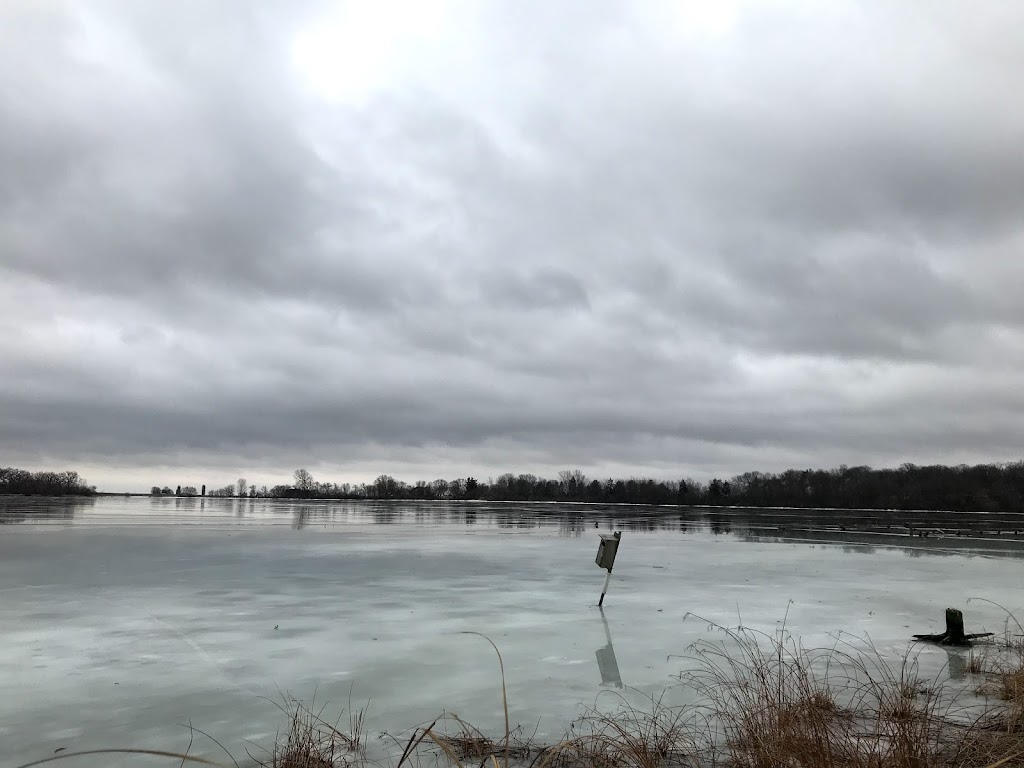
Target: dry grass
(977, 661)
(1003, 670)
(1004, 681)
(628, 738)
(775, 703)
(310, 741)
(471, 746)
(766, 702)
(1011, 690)
(772, 702)
(1012, 636)
(769, 702)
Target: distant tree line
(21, 481)
(983, 488)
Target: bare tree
(572, 481)
(304, 480)
(440, 489)
(386, 487)
(242, 484)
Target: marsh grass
(1004, 680)
(471, 746)
(629, 737)
(311, 741)
(977, 661)
(765, 701)
(773, 702)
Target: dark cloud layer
(671, 238)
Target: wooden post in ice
(604, 589)
(954, 634)
(955, 627)
(606, 559)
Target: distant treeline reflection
(981, 488)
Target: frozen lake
(121, 619)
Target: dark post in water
(606, 558)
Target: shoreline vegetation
(21, 482)
(764, 700)
(995, 488)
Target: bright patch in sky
(361, 47)
(700, 18)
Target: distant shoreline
(553, 503)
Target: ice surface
(122, 618)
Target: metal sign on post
(606, 551)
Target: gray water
(122, 620)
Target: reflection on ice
(606, 661)
(957, 663)
(59, 511)
(864, 531)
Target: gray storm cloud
(509, 236)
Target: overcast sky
(446, 237)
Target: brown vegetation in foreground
(767, 702)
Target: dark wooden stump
(955, 627)
(954, 634)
